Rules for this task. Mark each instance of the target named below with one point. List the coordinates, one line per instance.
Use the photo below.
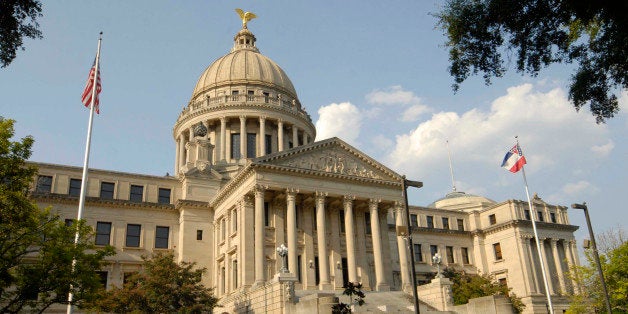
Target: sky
(374, 73)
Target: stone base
(382, 287)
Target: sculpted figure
(245, 16)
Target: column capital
(246, 200)
(374, 202)
(279, 121)
(262, 118)
(259, 189)
(223, 119)
(291, 193)
(348, 200)
(319, 195)
(242, 118)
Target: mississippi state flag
(514, 159)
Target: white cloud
(578, 188)
(342, 120)
(413, 113)
(603, 150)
(382, 142)
(394, 95)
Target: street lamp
(583, 206)
(417, 184)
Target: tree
(18, 19)
(355, 294)
(163, 286)
(36, 246)
(589, 297)
(469, 286)
(592, 34)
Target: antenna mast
(451, 168)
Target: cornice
(100, 171)
(96, 201)
(525, 223)
(190, 204)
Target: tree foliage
(18, 19)
(592, 34)
(469, 286)
(590, 297)
(356, 297)
(163, 286)
(36, 246)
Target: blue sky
(373, 73)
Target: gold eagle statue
(245, 16)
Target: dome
(244, 65)
(456, 199)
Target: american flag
(89, 87)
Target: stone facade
(250, 177)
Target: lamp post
(417, 184)
(583, 206)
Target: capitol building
(249, 176)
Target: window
(266, 95)
(418, 254)
(106, 190)
(367, 223)
(199, 235)
(414, 220)
(445, 223)
(540, 217)
(234, 95)
(235, 274)
(251, 141)
(460, 224)
(223, 229)
(491, 219)
(234, 221)
(266, 214)
(164, 196)
(341, 214)
(553, 217)
(290, 145)
(430, 221)
(133, 235)
(137, 192)
(450, 254)
(433, 250)
(44, 184)
(269, 144)
(497, 248)
(103, 278)
(235, 146)
(103, 233)
(465, 255)
(161, 237)
(250, 95)
(75, 187)
(526, 214)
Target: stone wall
(495, 304)
(437, 294)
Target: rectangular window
(235, 274)
(492, 219)
(266, 95)
(465, 255)
(75, 187)
(137, 193)
(540, 217)
(103, 233)
(553, 217)
(266, 214)
(414, 220)
(367, 223)
(461, 224)
(446, 223)
(164, 196)
(251, 141)
(234, 221)
(497, 248)
(234, 95)
(433, 250)
(106, 190)
(133, 233)
(161, 237)
(418, 254)
(290, 145)
(526, 214)
(223, 229)
(44, 184)
(430, 221)
(250, 95)
(199, 235)
(341, 214)
(235, 146)
(102, 275)
(450, 254)
(269, 144)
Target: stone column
(280, 135)
(571, 255)
(546, 264)
(321, 233)
(243, 137)
(537, 278)
(295, 136)
(223, 138)
(522, 246)
(259, 235)
(403, 252)
(247, 220)
(291, 222)
(181, 155)
(262, 136)
(189, 153)
(559, 266)
(304, 137)
(350, 238)
(381, 284)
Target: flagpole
(85, 164)
(536, 237)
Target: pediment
(332, 156)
